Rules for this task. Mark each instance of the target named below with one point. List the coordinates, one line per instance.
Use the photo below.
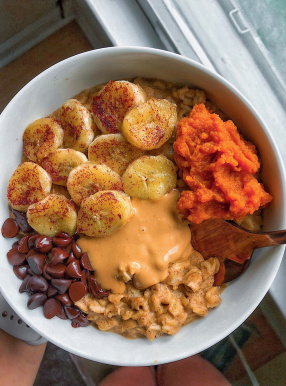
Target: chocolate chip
(64, 299)
(61, 242)
(36, 300)
(77, 290)
(57, 270)
(37, 283)
(23, 286)
(95, 288)
(61, 285)
(80, 321)
(71, 258)
(15, 257)
(15, 244)
(21, 271)
(45, 274)
(62, 314)
(85, 262)
(23, 244)
(36, 262)
(43, 244)
(52, 291)
(31, 241)
(9, 228)
(58, 255)
(76, 250)
(52, 307)
(71, 312)
(69, 248)
(21, 220)
(74, 270)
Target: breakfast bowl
(51, 89)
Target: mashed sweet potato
(218, 166)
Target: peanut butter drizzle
(143, 248)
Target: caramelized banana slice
(52, 215)
(78, 125)
(114, 151)
(60, 163)
(112, 103)
(89, 178)
(41, 138)
(103, 213)
(151, 124)
(29, 183)
(150, 177)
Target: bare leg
(131, 376)
(192, 371)
(19, 362)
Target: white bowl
(47, 92)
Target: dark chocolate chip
(77, 290)
(21, 220)
(71, 312)
(62, 314)
(23, 244)
(76, 250)
(15, 244)
(52, 291)
(45, 274)
(21, 271)
(23, 286)
(71, 258)
(69, 248)
(43, 244)
(58, 256)
(74, 270)
(61, 285)
(80, 321)
(95, 288)
(57, 270)
(61, 242)
(37, 283)
(52, 307)
(9, 228)
(15, 257)
(36, 262)
(64, 299)
(31, 241)
(85, 262)
(36, 300)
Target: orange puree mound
(218, 165)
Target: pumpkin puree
(218, 166)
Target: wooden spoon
(231, 244)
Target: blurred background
(242, 40)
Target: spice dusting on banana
(98, 174)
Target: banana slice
(29, 183)
(112, 103)
(78, 125)
(103, 213)
(89, 178)
(52, 215)
(151, 124)
(41, 138)
(114, 151)
(150, 177)
(60, 163)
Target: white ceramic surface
(47, 92)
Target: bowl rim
(145, 50)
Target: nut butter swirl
(143, 248)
